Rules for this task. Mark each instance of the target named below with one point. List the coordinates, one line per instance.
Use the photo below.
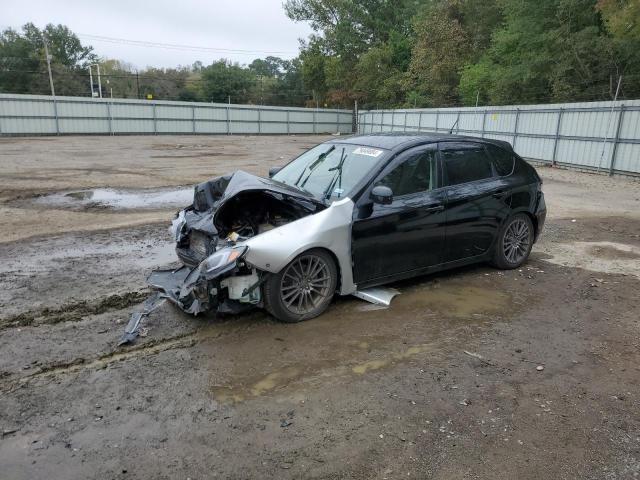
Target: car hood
(212, 194)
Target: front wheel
(303, 289)
(514, 242)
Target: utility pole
(606, 133)
(48, 57)
(91, 81)
(99, 83)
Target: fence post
(338, 122)
(315, 127)
(193, 118)
(515, 129)
(228, 120)
(484, 119)
(155, 120)
(615, 142)
(109, 117)
(55, 112)
(381, 119)
(437, 118)
(420, 121)
(555, 141)
(405, 121)
(288, 128)
(259, 120)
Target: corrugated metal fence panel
(578, 134)
(44, 115)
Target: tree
(224, 79)
(23, 64)
(441, 49)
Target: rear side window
(416, 174)
(502, 160)
(466, 163)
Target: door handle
(432, 207)
(435, 208)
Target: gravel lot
(443, 384)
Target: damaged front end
(223, 282)
(226, 212)
(233, 208)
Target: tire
(514, 242)
(303, 289)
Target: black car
(350, 214)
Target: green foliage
(382, 53)
(451, 52)
(23, 67)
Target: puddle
(347, 342)
(289, 375)
(108, 198)
(379, 363)
(453, 300)
(605, 257)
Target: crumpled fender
(330, 229)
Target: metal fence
(46, 115)
(594, 136)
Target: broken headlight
(222, 259)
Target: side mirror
(273, 171)
(382, 195)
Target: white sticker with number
(370, 152)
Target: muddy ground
(444, 384)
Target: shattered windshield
(330, 170)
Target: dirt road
(444, 384)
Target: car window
(466, 163)
(502, 160)
(331, 170)
(415, 174)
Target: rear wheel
(303, 289)
(514, 242)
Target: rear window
(503, 160)
(466, 163)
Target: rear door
(477, 199)
(407, 234)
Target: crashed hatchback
(350, 214)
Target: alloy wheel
(305, 284)
(517, 239)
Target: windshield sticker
(370, 152)
(337, 192)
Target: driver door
(408, 234)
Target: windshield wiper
(338, 177)
(312, 167)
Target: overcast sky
(258, 26)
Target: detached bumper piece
(132, 330)
(212, 286)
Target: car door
(477, 199)
(408, 233)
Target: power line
(174, 46)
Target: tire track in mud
(73, 312)
(103, 361)
(187, 340)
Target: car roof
(398, 141)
